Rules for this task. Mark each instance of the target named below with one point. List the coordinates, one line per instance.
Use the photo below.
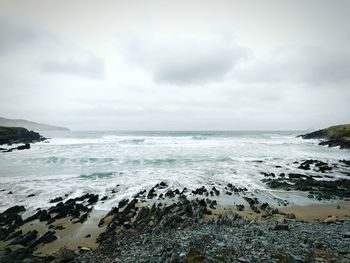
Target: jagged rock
(170, 194)
(240, 207)
(151, 194)
(26, 238)
(55, 200)
(15, 209)
(23, 147)
(48, 237)
(11, 135)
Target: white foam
(138, 162)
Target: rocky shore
(333, 136)
(16, 135)
(228, 238)
(161, 224)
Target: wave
(199, 138)
(97, 175)
(62, 160)
(57, 160)
(133, 141)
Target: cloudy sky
(176, 65)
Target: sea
(119, 164)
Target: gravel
(228, 238)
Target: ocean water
(73, 163)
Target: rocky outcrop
(10, 135)
(333, 136)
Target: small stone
(330, 219)
(294, 258)
(221, 244)
(290, 216)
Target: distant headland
(30, 125)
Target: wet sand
(319, 212)
(73, 236)
(309, 213)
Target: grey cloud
(298, 65)
(180, 68)
(15, 34)
(184, 60)
(33, 44)
(90, 67)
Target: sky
(176, 65)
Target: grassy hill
(338, 135)
(342, 131)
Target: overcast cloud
(177, 65)
(183, 60)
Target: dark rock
(161, 185)
(33, 217)
(14, 235)
(55, 200)
(26, 238)
(82, 219)
(170, 194)
(10, 135)
(268, 174)
(201, 191)
(346, 162)
(213, 204)
(240, 207)
(123, 203)
(263, 206)
(281, 227)
(23, 147)
(151, 194)
(252, 203)
(48, 237)
(92, 199)
(140, 194)
(15, 209)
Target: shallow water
(77, 162)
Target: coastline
(211, 219)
